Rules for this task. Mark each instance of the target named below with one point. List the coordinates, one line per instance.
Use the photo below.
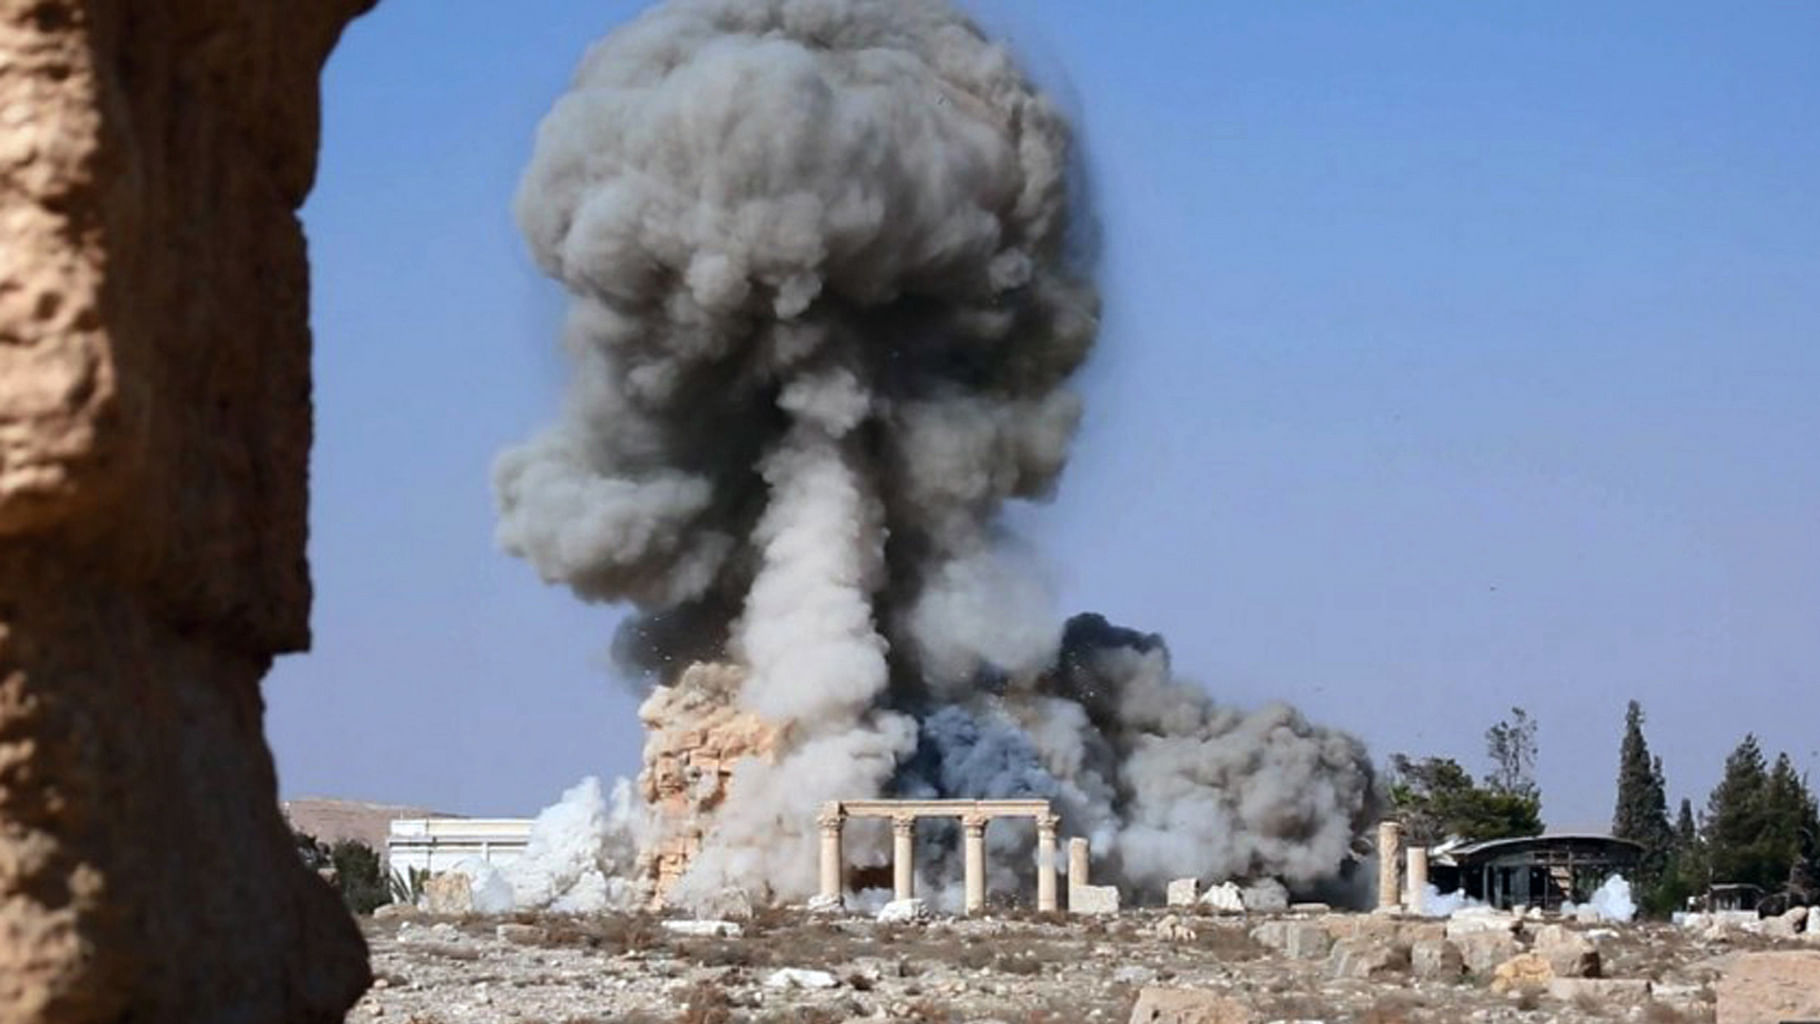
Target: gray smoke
(826, 303)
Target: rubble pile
(1183, 963)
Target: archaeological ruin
(974, 816)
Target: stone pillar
(1045, 862)
(1418, 877)
(1390, 844)
(830, 821)
(974, 849)
(903, 856)
(1078, 855)
(154, 453)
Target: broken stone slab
(907, 911)
(1226, 898)
(1156, 1005)
(702, 929)
(1182, 892)
(799, 977)
(1571, 954)
(1310, 908)
(1775, 986)
(1468, 920)
(1522, 972)
(1367, 958)
(1600, 990)
(521, 934)
(819, 904)
(1298, 940)
(1093, 899)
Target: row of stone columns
(903, 857)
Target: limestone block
(1156, 1005)
(1367, 958)
(1182, 892)
(1571, 954)
(1483, 951)
(449, 894)
(1521, 972)
(1173, 929)
(1298, 940)
(1436, 960)
(1777, 986)
(1093, 899)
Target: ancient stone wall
(696, 735)
(154, 437)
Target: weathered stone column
(1418, 878)
(974, 850)
(1045, 862)
(903, 856)
(830, 821)
(1390, 844)
(155, 431)
(1078, 856)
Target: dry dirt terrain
(1022, 969)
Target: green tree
(363, 885)
(1737, 821)
(1687, 834)
(1641, 815)
(1436, 799)
(1511, 745)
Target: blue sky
(1455, 356)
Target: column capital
(831, 816)
(903, 824)
(975, 823)
(1048, 823)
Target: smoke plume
(826, 303)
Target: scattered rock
(1187, 1006)
(1172, 929)
(798, 977)
(1569, 953)
(1436, 960)
(1310, 908)
(1182, 892)
(1298, 940)
(704, 929)
(907, 911)
(522, 934)
(1521, 972)
(1770, 987)
(1600, 990)
(1225, 897)
(1134, 975)
(1367, 958)
(819, 904)
(1471, 920)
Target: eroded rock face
(154, 437)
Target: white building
(438, 844)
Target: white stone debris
(705, 929)
(798, 977)
(907, 911)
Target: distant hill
(331, 820)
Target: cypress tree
(1735, 820)
(1641, 815)
(1687, 835)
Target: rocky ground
(791, 966)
